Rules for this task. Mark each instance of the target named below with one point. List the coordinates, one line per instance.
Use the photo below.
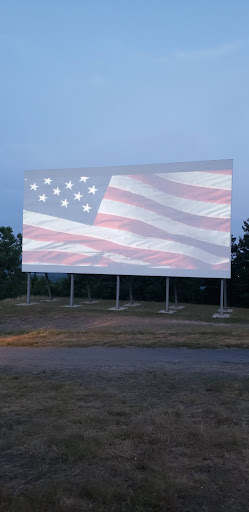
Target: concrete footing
(170, 312)
(116, 309)
(219, 315)
(73, 306)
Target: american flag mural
(167, 219)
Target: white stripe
(200, 179)
(124, 238)
(82, 250)
(118, 258)
(62, 265)
(38, 245)
(202, 208)
(169, 226)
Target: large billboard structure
(151, 220)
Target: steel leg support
(130, 293)
(72, 290)
(176, 298)
(88, 292)
(167, 295)
(49, 289)
(117, 292)
(28, 287)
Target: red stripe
(141, 228)
(220, 266)
(196, 221)
(114, 222)
(153, 258)
(46, 235)
(228, 172)
(63, 258)
(192, 192)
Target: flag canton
(66, 195)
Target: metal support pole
(88, 292)
(49, 289)
(225, 294)
(175, 292)
(117, 292)
(72, 290)
(167, 295)
(222, 296)
(28, 287)
(130, 292)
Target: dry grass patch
(191, 336)
(151, 441)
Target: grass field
(49, 324)
(144, 441)
(116, 440)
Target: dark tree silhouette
(11, 277)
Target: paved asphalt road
(108, 359)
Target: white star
(33, 187)
(78, 196)
(47, 180)
(42, 198)
(64, 203)
(69, 185)
(56, 191)
(92, 190)
(84, 178)
(86, 208)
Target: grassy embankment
(49, 324)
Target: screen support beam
(167, 295)
(130, 293)
(223, 311)
(28, 287)
(117, 306)
(225, 294)
(49, 288)
(175, 293)
(222, 296)
(71, 290)
(117, 292)
(88, 292)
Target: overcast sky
(114, 82)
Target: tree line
(193, 290)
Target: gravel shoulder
(99, 359)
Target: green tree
(11, 277)
(240, 268)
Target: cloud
(207, 53)
(202, 53)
